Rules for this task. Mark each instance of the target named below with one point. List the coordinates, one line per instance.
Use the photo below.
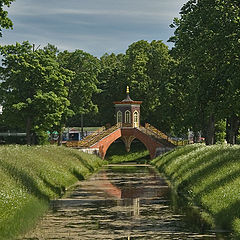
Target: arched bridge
(154, 140)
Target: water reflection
(120, 202)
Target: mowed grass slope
(209, 177)
(31, 176)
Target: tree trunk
(210, 129)
(28, 130)
(232, 129)
(195, 136)
(60, 135)
(227, 130)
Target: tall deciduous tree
(84, 83)
(112, 82)
(147, 71)
(34, 88)
(207, 42)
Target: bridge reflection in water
(120, 202)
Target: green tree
(5, 22)
(147, 70)
(170, 114)
(112, 82)
(34, 88)
(84, 83)
(207, 42)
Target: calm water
(120, 202)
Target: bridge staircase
(159, 136)
(93, 138)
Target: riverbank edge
(35, 206)
(182, 160)
(182, 204)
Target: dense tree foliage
(194, 86)
(5, 22)
(34, 88)
(146, 69)
(84, 83)
(81, 87)
(208, 47)
(112, 85)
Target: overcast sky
(95, 26)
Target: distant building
(128, 112)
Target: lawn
(209, 177)
(31, 176)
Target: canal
(119, 202)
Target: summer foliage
(5, 22)
(31, 176)
(207, 48)
(34, 88)
(193, 86)
(209, 177)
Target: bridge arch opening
(117, 150)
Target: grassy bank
(117, 153)
(209, 177)
(31, 176)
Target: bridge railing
(86, 139)
(93, 138)
(104, 134)
(157, 137)
(158, 134)
(94, 134)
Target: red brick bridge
(154, 140)
(127, 113)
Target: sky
(94, 26)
